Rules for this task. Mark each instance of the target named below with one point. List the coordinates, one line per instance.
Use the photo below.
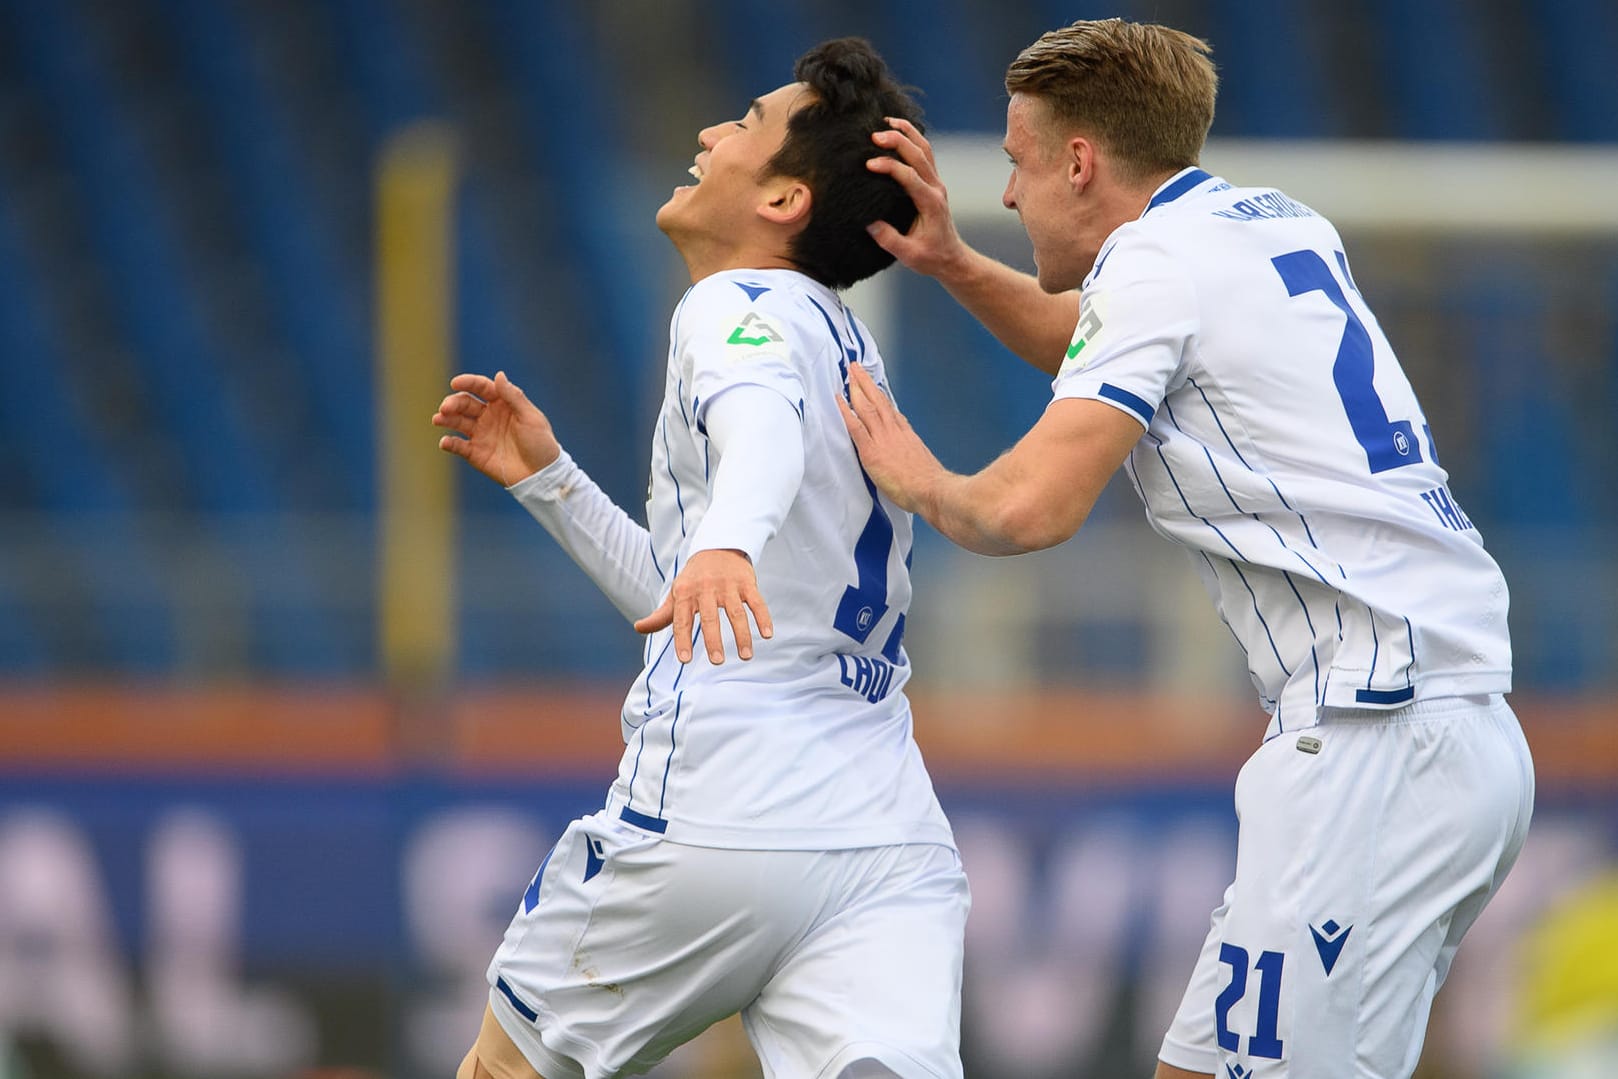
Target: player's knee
(868, 1069)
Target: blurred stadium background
(290, 707)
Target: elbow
(1033, 524)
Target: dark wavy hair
(827, 144)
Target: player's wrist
(956, 265)
(540, 458)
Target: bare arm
(1031, 322)
(1035, 495)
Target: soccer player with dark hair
(772, 845)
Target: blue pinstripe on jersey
(1259, 614)
(1410, 637)
(668, 465)
(1314, 653)
(1214, 414)
(1254, 514)
(1161, 456)
(1376, 646)
(847, 355)
(668, 762)
(1169, 471)
(660, 575)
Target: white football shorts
(1366, 849)
(627, 945)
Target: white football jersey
(808, 744)
(1285, 447)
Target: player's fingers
(464, 404)
(859, 402)
(761, 612)
(912, 147)
(685, 613)
(887, 237)
(460, 447)
(870, 403)
(852, 420)
(657, 619)
(911, 132)
(467, 382)
(454, 423)
(508, 390)
(707, 615)
(736, 610)
(920, 192)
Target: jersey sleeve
(1136, 315)
(612, 549)
(759, 441)
(739, 336)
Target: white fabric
(1226, 322)
(761, 477)
(629, 945)
(757, 439)
(1358, 869)
(614, 550)
(809, 743)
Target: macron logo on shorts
(1329, 941)
(594, 858)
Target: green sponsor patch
(753, 331)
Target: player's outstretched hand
(712, 581)
(932, 246)
(496, 428)
(893, 455)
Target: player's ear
(1079, 155)
(786, 203)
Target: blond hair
(1145, 92)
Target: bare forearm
(1029, 321)
(986, 514)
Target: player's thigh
(494, 1055)
(633, 945)
(875, 989)
(1358, 867)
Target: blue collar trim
(1189, 179)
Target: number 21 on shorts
(1264, 1040)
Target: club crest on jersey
(753, 331)
(1329, 940)
(1083, 334)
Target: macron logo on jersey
(1329, 941)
